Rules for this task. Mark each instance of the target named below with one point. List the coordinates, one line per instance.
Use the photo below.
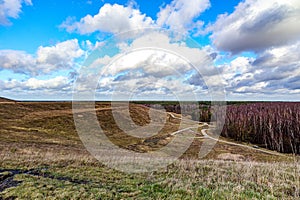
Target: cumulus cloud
(17, 61)
(60, 56)
(111, 18)
(59, 87)
(274, 71)
(165, 45)
(46, 60)
(57, 83)
(181, 15)
(257, 25)
(150, 66)
(158, 55)
(11, 9)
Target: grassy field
(42, 157)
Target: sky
(150, 50)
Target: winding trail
(204, 131)
(206, 136)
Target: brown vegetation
(42, 157)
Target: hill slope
(41, 157)
(5, 100)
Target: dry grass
(187, 179)
(42, 137)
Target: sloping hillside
(42, 156)
(5, 100)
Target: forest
(272, 125)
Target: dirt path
(204, 132)
(207, 136)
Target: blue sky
(252, 46)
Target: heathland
(42, 156)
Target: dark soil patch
(7, 179)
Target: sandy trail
(205, 134)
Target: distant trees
(184, 108)
(198, 112)
(273, 125)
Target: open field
(42, 157)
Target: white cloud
(238, 66)
(166, 45)
(56, 84)
(147, 65)
(17, 61)
(156, 53)
(112, 19)
(47, 59)
(11, 9)
(55, 88)
(60, 56)
(275, 71)
(181, 15)
(257, 25)
(287, 55)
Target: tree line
(273, 125)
